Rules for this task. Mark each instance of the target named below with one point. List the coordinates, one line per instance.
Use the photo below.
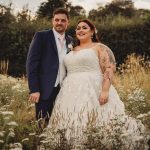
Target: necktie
(61, 41)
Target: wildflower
(11, 134)
(148, 113)
(44, 141)
(142, 115)
(31, 134)
(1, 141)
(24, 140)
(6, 118)
(12, 123)
(1, 134)
(125, 134)
(138, 138)
(31, 105)
(15, 146)
(7, 113)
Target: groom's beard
(60, 29)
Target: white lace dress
(79, 94)
(77, 104)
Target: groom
(45, 68)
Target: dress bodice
(85, 60)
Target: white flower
(26, 139)
(31, 134)
(138, 138)
(1, 134)
(7, 113)
(12, 123)
(95, 30)
(1, 141)
(125, 134)
(6, 118)
(70, 46)
(15, 146)
(11, 134)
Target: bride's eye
(83, 27)
(78, 28)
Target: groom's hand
(34, 97)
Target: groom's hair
(61, 11)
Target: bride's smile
(83, 32)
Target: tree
(24, 15)
(121, 7)
(116, 7)
(6, 21)
(46, 9)
(76, 11)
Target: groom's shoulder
(44, 32)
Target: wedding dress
(77, 104)
(79, 94)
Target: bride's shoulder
(75, 48)
(101, 47)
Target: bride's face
(83, 31)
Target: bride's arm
(108, 67)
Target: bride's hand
(103, 98)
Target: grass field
(19, 129)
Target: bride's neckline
(82, 49)
(77, 51)
(90, 48)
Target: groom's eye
(58, 20)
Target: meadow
(18, 128)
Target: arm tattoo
(111, 56)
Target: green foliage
(126, 39)
(76, 11)
(46, 9)
(116, 7)
(124, 35)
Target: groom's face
(60, 23)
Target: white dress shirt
(62, 50)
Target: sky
(86, 4)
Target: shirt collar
(56, 34)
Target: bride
(87, 95)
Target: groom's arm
(32, 64)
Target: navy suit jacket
(43, 63)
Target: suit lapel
(53, 41)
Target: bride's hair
(92, 27)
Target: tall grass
(132, 82)
(4, 66)
(19, 129)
